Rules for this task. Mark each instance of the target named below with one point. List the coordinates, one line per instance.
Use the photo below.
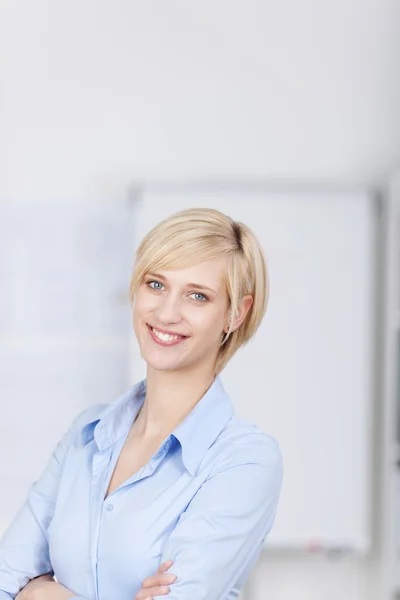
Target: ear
(243, 309)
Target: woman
(166, 472)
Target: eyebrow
(194, 285)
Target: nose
(169, 310)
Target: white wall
(98, 93)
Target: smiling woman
(225, 259)
(167, 470)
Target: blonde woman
(164, 491)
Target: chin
(158, 365)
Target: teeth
(165, 337)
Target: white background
(96, 93)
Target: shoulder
(243, 443)
(246, 467)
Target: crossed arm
(40, 588)
(215, 542)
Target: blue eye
(202, 299)
(157, 283)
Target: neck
(170, 397)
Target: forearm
(37, 580)
(53, 591)
(44, 588)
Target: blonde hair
(197, 234)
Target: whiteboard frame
(387, 559)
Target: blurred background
(100, 99)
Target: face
(179, 316)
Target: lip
(162, 342)
(166, 331)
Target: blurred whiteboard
(64, 328)
(307, 377)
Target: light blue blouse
(207, 499)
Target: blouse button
(109, 506)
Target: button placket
(100, 459)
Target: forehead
(208, 272)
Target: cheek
(210, 326)
(139, 310)
(143, 304)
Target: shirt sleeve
(219, 537)
(24, 550)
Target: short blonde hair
(198, 234)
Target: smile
(165, 339)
